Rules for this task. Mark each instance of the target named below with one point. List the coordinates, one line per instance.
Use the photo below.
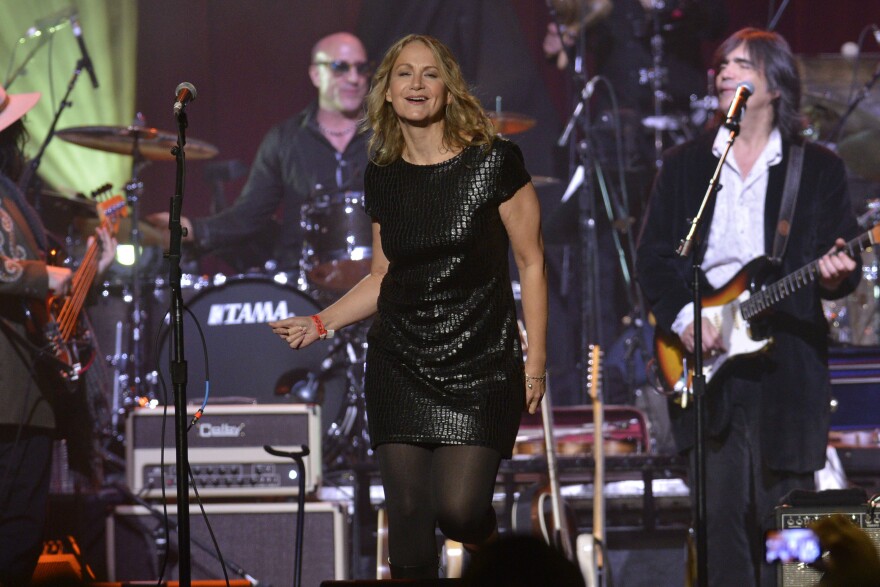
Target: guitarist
(768, 416)
(27, 420)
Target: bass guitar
(735, 310)
(64, 338)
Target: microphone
(743, 91)
(586, 94)
(185, 93)
(86, 60)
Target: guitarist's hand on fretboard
(107, 244)
(835, 266)
(712, 341)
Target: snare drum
(245, 358)
(337, 242)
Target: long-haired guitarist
(27, 419)
(768, 405)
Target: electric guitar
(64, 338)
(590, 547)
(735, 310)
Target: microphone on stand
(184, 94)
(738, 105)
(587, 93)
(86, 60)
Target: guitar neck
(809, 273)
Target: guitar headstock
(111, 208)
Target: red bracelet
(322, 332)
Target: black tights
(427, 486)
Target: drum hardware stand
(656, 77)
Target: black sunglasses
(340, 68)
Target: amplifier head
(226, 452)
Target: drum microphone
(185, 93)
(743, 91)
(86, 60)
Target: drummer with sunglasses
(319, 150)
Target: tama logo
(247, 313)
(224, 430)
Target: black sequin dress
(444, 363)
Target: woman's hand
(298, 331)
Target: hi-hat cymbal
(151, 143)
(861, 153)
(823, 115)
(510, 123)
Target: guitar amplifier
(800, 575)
(257, 538)
(226, 453)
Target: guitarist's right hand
(712, 342)
(59, 279)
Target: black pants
(25, 464)
(742, 493)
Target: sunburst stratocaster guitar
(60, 322)
(734, 309)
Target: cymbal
(57, 210)
(823, 115)
(861, 153)
(152, 144)
(150, 236)
(510, 123)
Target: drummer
(318, 150)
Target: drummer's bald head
(331, 42)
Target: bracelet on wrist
(322, 331)
(530, 378)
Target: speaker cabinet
(259, 538)
(799, 575)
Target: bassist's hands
(835, 266)
(106, 246)
(59, 279)
(712, 342)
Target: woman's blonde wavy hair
(465, 122)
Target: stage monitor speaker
(800, 575)
(259, 538)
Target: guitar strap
(789, 200)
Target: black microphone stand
(698, 387)
(178, 367)
(27, 178)
(297, 456)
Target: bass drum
(247, 361)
